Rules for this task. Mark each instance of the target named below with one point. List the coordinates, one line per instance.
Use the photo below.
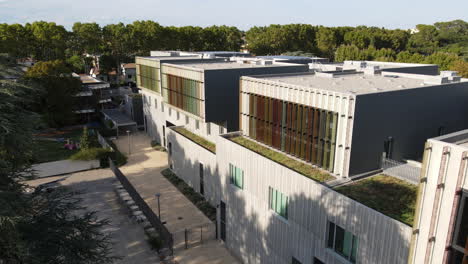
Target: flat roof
(119, 118)
(286, 57)
(354, 82)
(230, 65)
(158, 58)
(381, 64)
(86, 79)
(459, 138)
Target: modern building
(375, 66)
(200, 54)
(202, 94)
(343, 122)
(275, 148)
(294, 59)
(440, 232)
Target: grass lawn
(298, 166)
(388, 195)
(197, 139)
(49, 150)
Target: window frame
(234, 176)
(278, 202)
(463, 202)
(353, 248)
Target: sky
(404, 14)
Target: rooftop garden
(388, 195)
(301, 167)
(195, 138)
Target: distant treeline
(444, 43)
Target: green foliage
(118, 157)
(42, 227)
(444, 60)
(48, 40)
(197, 139)
(76, 63)
(388, 195)
(156, 146)
(326, 41)
(298, 166)
(198, 200)
(87, 38)
(461, 67)
(156, 243)
(90, 154)
(56, 89)
(84, 139)
(349, 52)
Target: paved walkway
(144, 172)
(98, 195)
(61, 167)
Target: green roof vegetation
(197, 139)
(388, 195)
(301, 167)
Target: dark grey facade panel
(423, 69)
(222, 91)
(410, 117)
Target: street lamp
(159, 206)
(128, 134)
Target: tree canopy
(38, 227)
(56, 88)
(122, 42)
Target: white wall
(445, 164)
(186, 157)
(257, 235)
(156, 118)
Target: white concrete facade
(443, 185)
(157, 113)
(256, 234)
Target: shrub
(155, 242)
(90, 154)
(157, 146)
(84, 139)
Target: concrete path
(61, 167)
(144, 171)
(98, 195)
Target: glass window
(278, 202)
(462, 229)
(342, 242)
(186, 120)
(305, 132)
(155, 103)
(197, 124)
(236, 176)
(208, 128)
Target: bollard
(186, 241)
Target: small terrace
(301, 167)
(196, 138)
(393, 197)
